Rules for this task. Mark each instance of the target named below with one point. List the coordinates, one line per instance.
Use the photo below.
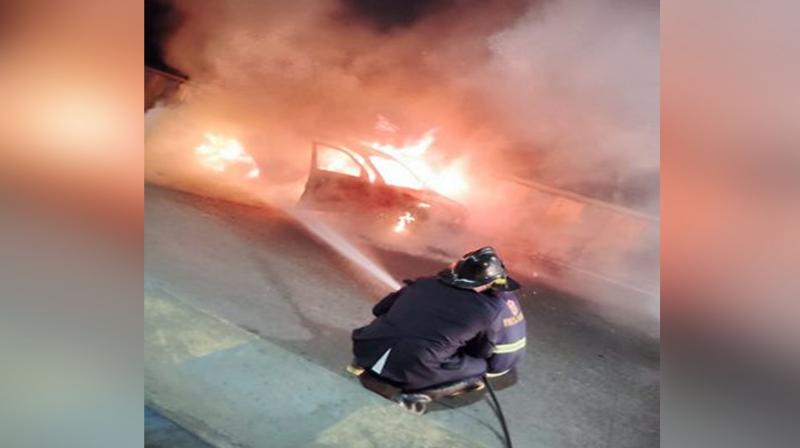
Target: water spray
(337, 242)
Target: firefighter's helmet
(479, 268)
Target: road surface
(247, 326)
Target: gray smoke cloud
(578, 80)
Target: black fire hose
(499, 412)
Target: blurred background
(730, 213)
(71, 320)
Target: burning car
(364, 181)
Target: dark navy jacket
(430, 334)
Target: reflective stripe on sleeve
(510, 348)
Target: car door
(339, 180)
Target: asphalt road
(259, 280)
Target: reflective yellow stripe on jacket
(510, 348)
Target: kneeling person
(456, 327)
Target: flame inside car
(449, 181)
(403, 221)
(220, 154)
(382, 180)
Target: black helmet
(479, 268)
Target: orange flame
(220, 153)
(449, 181)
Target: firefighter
(453, 328)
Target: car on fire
(359, 180)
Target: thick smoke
(565, 92)
(560, 92)
(577, 82)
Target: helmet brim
(511, 285)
